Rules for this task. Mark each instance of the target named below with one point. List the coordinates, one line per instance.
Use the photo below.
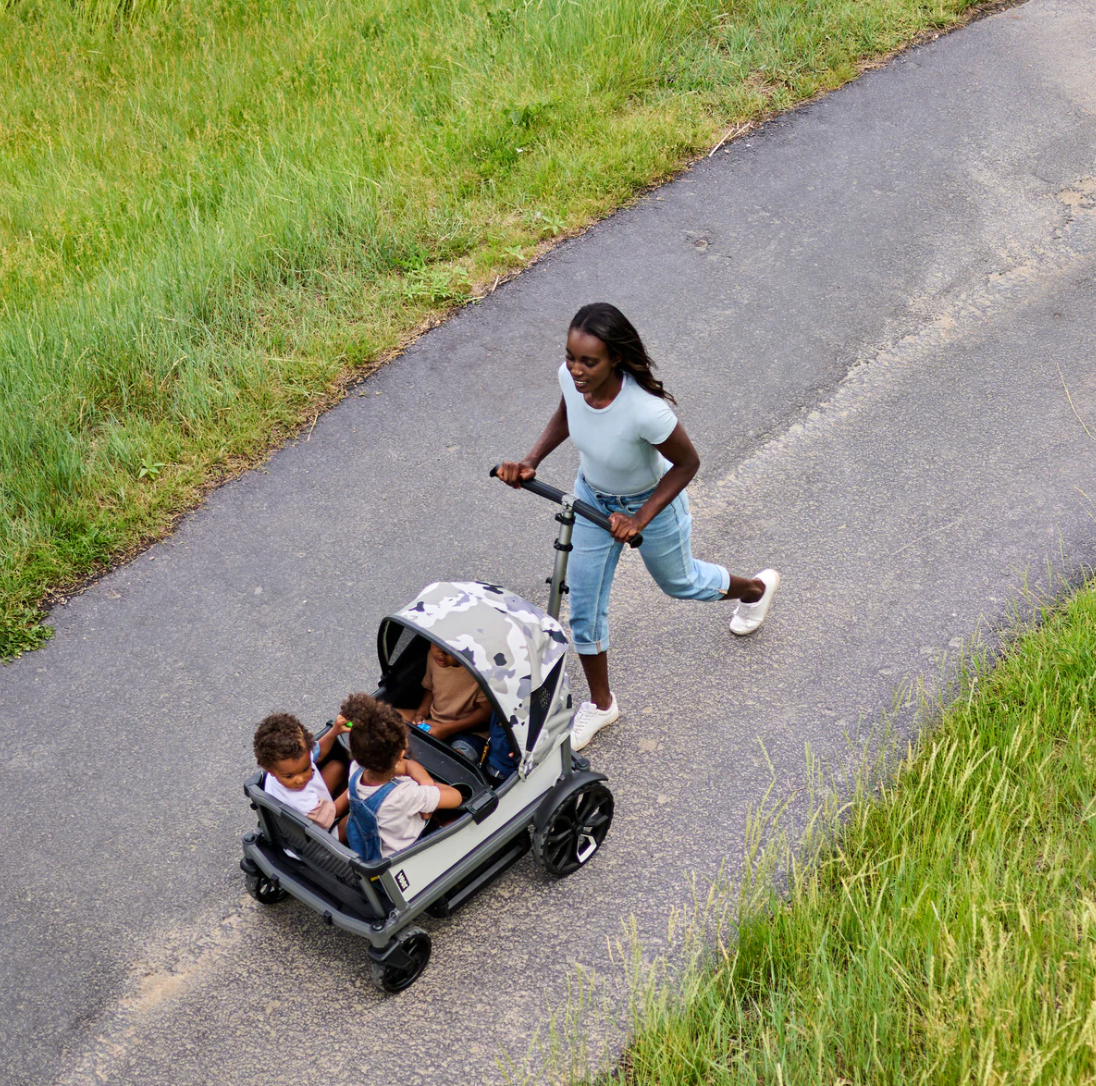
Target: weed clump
(943, 932)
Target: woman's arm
(684, 462)
(555, 434)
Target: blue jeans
(666, 552)
(470, 745)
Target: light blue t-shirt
(617, 443)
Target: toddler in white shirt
(284, 748)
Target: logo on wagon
(401, 880)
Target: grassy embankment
(946, 933)
(211, 212)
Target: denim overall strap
(362, 833)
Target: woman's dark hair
(607, 323)
(378, 735)
(278, 737)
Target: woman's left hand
(624, 528)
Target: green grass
(946, 933)
(212, 211)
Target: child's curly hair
(378, 735)
(278, 737)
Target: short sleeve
(657, 420)
(428, 677)
(416, 798)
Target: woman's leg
(590, 577)
(746, 589)
(590, 573)
(596, 670)
(334, 776)
(668, 554)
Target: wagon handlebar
(584, 509)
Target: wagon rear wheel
(574, 830)
(264, 889)
(403, 962)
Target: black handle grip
(584, 509)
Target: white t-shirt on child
(398, 815)
(305, 800)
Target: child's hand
(341, 725)
(323, 814)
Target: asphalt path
(878, 315)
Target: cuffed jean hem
(590, 648)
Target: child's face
(293, 773)
(442, 658)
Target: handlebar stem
(558, 580)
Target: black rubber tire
(415, 943)
(264, 890)
(574, 830)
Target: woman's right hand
(514, 473)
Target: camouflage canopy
(510, 645)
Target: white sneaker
(748, 617)
(589, 720)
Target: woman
(636, 461)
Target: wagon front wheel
(574, 830)
(402, 962)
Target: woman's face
(590, 366)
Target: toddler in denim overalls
(391, 795)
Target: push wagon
(552, 803)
